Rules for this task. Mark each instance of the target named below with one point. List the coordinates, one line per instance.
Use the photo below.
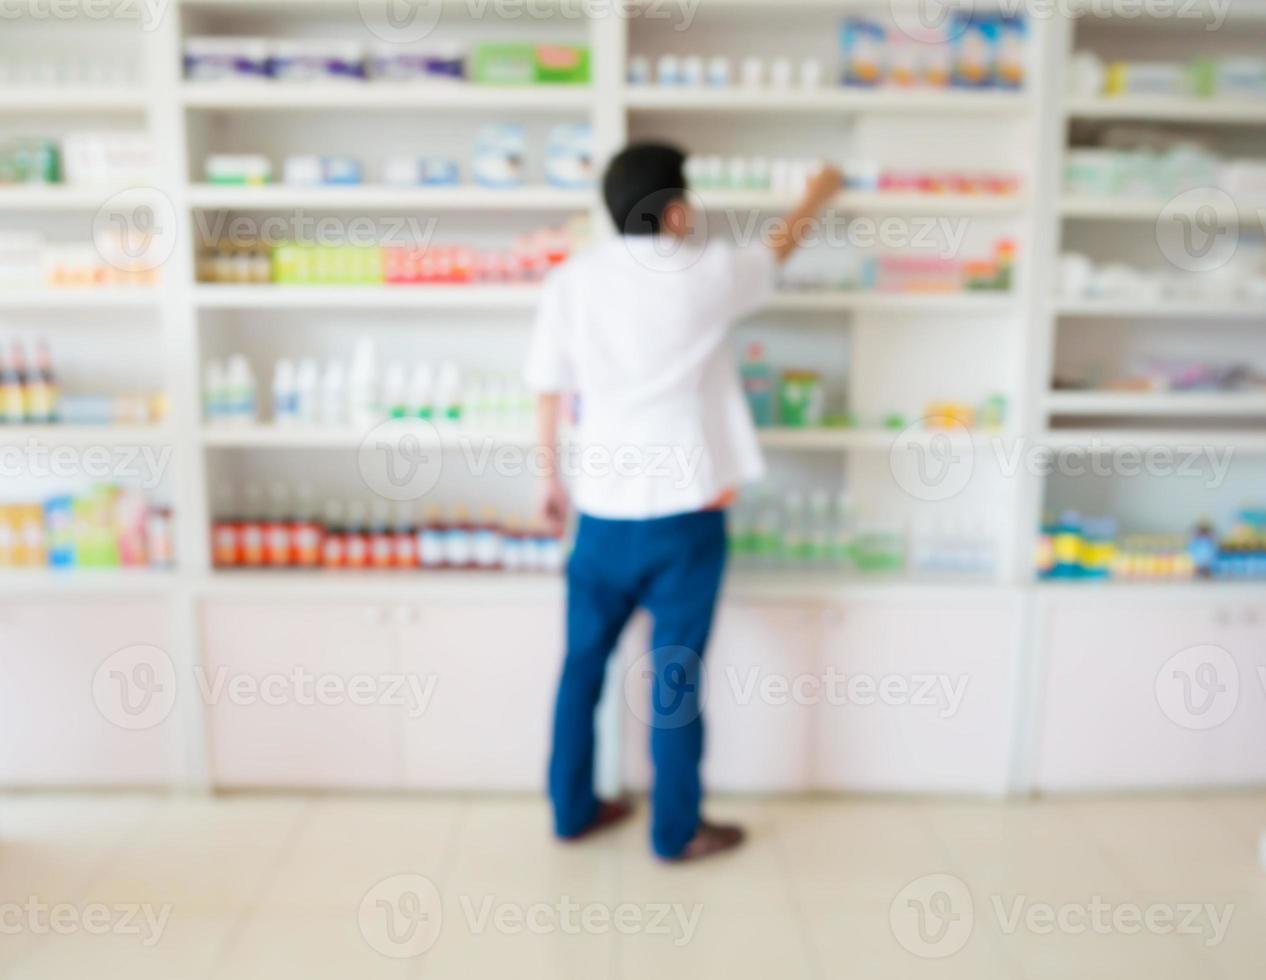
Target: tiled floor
(135, 887)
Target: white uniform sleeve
(549, 367)
(753, 276)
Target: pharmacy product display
(1156, 374)
(28, 261)
(78, 158)
(284, 529)
(1233, 77)
(1081, 278)
(228, 60)
(307, 263)
(105, 527)
(796, 399)
(28, 386)
(1149, 165)
(790, 398)
(501, 155)
(1077, 548)
(31, 394)
(792, 531)
(969, 50)
(914, 272)
(100, 69)
(362, 391)
(788, 177)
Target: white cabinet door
(762, 681)
(918, 696)
(64, 719)
(303, 694)
(1149, 693)
(1245, 762)
(761, 671)
(491, 670)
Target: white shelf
(518, 297)
(71, 100)
(268, 436)
(1192, 405)
(87, 298)
(825, 100)
(1244, 312)
(86, 435)
(1170, 109)
(456, 96)
(865, 440)
(54, 197)
(422, 585)
(525, 297)
(1115, 440)
(1148, 209)
(879, 202)
(103, 581)
(378, 198)
(856, 301)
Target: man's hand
(554, 506)
(821, 187)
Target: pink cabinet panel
(491, 671)
(1152, 694)
(68, 713)
(920, 699)
(303, 694)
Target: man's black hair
(640, 182)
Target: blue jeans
(672, 567)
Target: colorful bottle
(759, 385)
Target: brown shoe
(610, 813)
(710, 839)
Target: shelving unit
(891, 353)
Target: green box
(530, 64)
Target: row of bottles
(360, 392)
(286, 529)
(817, 531)
(28, 387)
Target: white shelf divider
(1174, 109)
(377, 198)
(1183, 404)
(447, 97)
(369, 297)
(824, 100)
